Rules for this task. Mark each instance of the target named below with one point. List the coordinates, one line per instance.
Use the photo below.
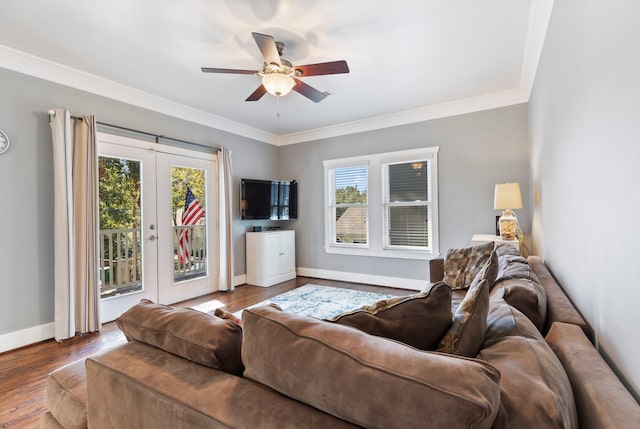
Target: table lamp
(507, 197)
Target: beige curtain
(77, 297)
(225, 186)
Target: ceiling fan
(279, 76)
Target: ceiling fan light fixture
(278, 84)
(279, 76)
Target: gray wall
(26, 190)
(477, 151)
(585, 155)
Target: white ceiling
(410, 60)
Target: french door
(158, 223)
(186, 267)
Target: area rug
(322, 302)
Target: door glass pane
(188, 192)
(120, 226)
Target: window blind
(408, 182)
(407, 210)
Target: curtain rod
(157, 137)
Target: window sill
(397, 254)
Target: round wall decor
(4, 142)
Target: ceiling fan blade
(333, 67)
(257, 94)
(268, 48)
(308, 91)
(230, 71)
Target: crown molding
(437, 111)
(31, 65)
(539, 17)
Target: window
(383, 205)
(406, 205)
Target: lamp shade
(507, 196)
(278, 84)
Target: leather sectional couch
(535, 368)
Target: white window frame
(332, 206)
(376, 209)
(387, 205)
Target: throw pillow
(223, 314)
(466, 335)
(462, 265)
(488, 272)
(188, 333)
(419, 320)
(359, 377)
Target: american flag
(193, 212)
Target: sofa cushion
(514, 267)
(504, 249)
(191, 334)
(462, 265)
(519, 286)
(419, 320)
(601, 399)
(559, 306)
(135, 385)
(356, 376)
(66, 396)
(47, 421)
(466, 334)
(535, 390)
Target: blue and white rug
(322, 302)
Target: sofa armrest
(436, 270)
(559, 306)
(602, 401)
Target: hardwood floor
(23, 372)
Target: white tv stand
(271, 257)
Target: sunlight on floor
(208, 306)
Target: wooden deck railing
(121, 258)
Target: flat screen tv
(268, 199)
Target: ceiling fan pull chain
(278, 106)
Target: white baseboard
(396, 282)
(24, 337)
(240, 280)
(35, 334)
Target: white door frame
(158, 284)
(112, 307)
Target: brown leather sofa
(306, 373)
